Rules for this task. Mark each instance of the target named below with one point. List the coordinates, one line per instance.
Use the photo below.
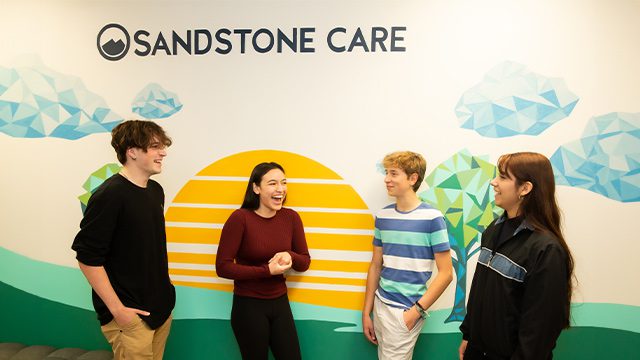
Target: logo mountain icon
(113, 48)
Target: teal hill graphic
(512, 100)
(30, 298)
(605, 160)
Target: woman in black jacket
(521, 291)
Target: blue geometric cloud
(36, 102)
(154, 102)
(606, 160)
(511, 100)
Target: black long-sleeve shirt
(123, 229)
(518, 300)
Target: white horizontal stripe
(193, 225)
(300, 209)
(329, 274)
(204, 206)
(309, 273)
(402, 263)
(201, 279)
(221, 178)
(419, 214)
(332, 210)
(289, 180)
(173, 265)
(311, 230)
(297, 285)
(192, 248)
(330, 287)
(339, 255)
(318, 230)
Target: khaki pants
(136, 340)
(395, 341)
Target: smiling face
(272, 191)
(508, 194)
(148, 162)
(398, 182)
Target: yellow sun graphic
(338, 227)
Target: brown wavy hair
(539, 206)
(136, 134)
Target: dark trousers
(474, 353)
(260, 324)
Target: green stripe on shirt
(403, 288)
(404, 237)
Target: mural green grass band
(54, 282)
(67, 285)
(61, 325)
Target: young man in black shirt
(122, 250)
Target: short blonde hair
(409, 162)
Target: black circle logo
(113, 42)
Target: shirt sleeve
(377, 237)
(93, 241)
(438, 236)
(299, 251)
(230, 240)
(544, 305)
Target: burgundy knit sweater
(247, 243)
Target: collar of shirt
(523, 225)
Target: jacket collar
(523, 225)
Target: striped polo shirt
(408, 240)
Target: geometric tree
(460, 189)
(95, 180)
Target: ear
(413, 178)
(131, 153)
(256, 189)
(525, 189)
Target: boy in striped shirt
(409, 237)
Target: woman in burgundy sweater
(259, 242)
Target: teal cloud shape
(605, 160)
(154, 102)
(511, 100)
(37, 102)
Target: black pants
(260, 324)
(474, 353)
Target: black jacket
(517, 303)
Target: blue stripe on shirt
(406, 276)
(418, 225)
(407, 251)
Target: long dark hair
(539, 207)
(251, 199)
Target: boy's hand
(411, 317)
(367, 328)
(462, 349)
(125, 315)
